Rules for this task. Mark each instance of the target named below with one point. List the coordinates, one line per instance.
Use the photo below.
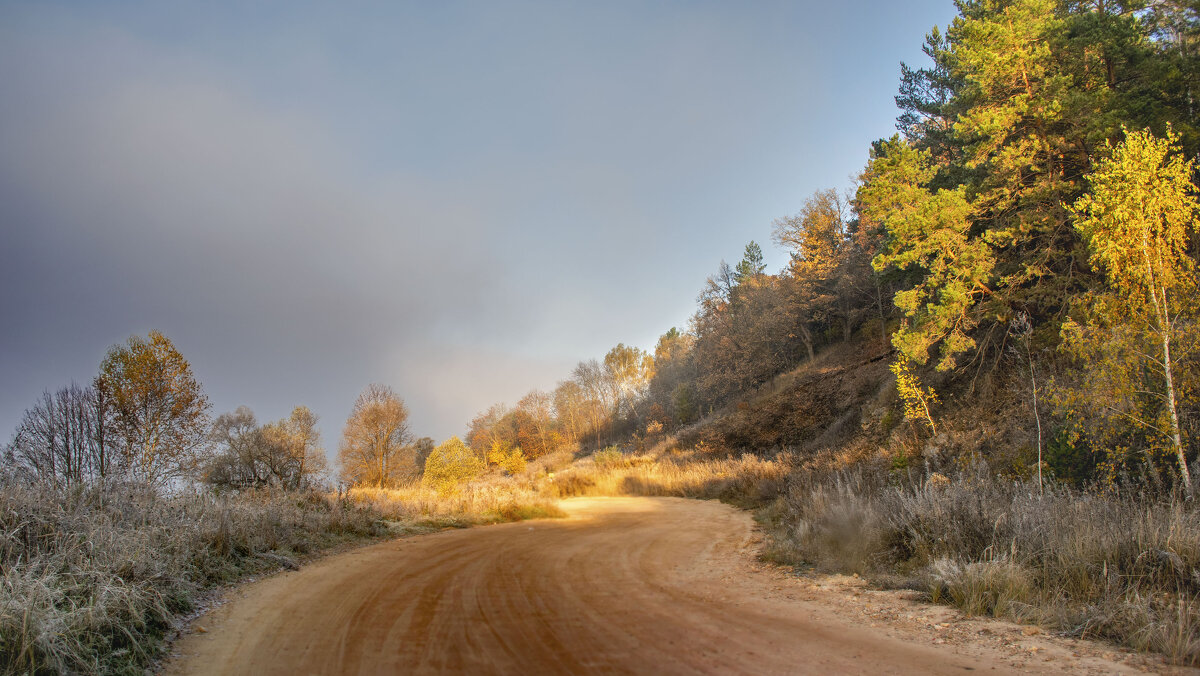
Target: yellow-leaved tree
(450, 465)
(157, 408)
(292, 449)
(1137, 221)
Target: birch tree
(158, 409)
(1137, 221)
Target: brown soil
(625, 585)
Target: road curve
(625, 585)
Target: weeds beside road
(92, 579)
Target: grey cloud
(457, 199)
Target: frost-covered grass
(91, 580)
(1123, 567)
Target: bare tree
(421, 450)
(238, 439)
(285, 453)
(628, 371)
(568, 408)
(596, 386)
(539, 405)
(305, 444)
(61, 439)
(375, 450)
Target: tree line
(145, 419)
(1040, 193)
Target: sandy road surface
(626, 585)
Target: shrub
(513, 462)
(450, 465)
(609, 457)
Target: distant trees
(596, 396)
(530, 426)
(817, 240)
(286, 453)
(298, 437)
(570, 410)
(144, 418)
(375, 448)
(488, 427)
(421, 449)
(237, 438)
(510, 459)
(741, 333)
(673, 369)
(629, 371)
(535, 424)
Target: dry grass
(748, 481)
(1122, 567)
(496, 500)
(91, 580)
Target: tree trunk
(1176, 436)
(1036, 415)
(806, 336)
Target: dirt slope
(647, 585)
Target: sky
(460, 200)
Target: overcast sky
(458, 199)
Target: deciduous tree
(450, 465)
(1137, 220)
(817, 240)
(374, 449)
(61, 440)
(158, 410)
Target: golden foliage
(157, 406)
(1135, 334)
(450, 465)
(918, 399)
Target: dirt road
(626, 585)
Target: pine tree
(929, 232)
